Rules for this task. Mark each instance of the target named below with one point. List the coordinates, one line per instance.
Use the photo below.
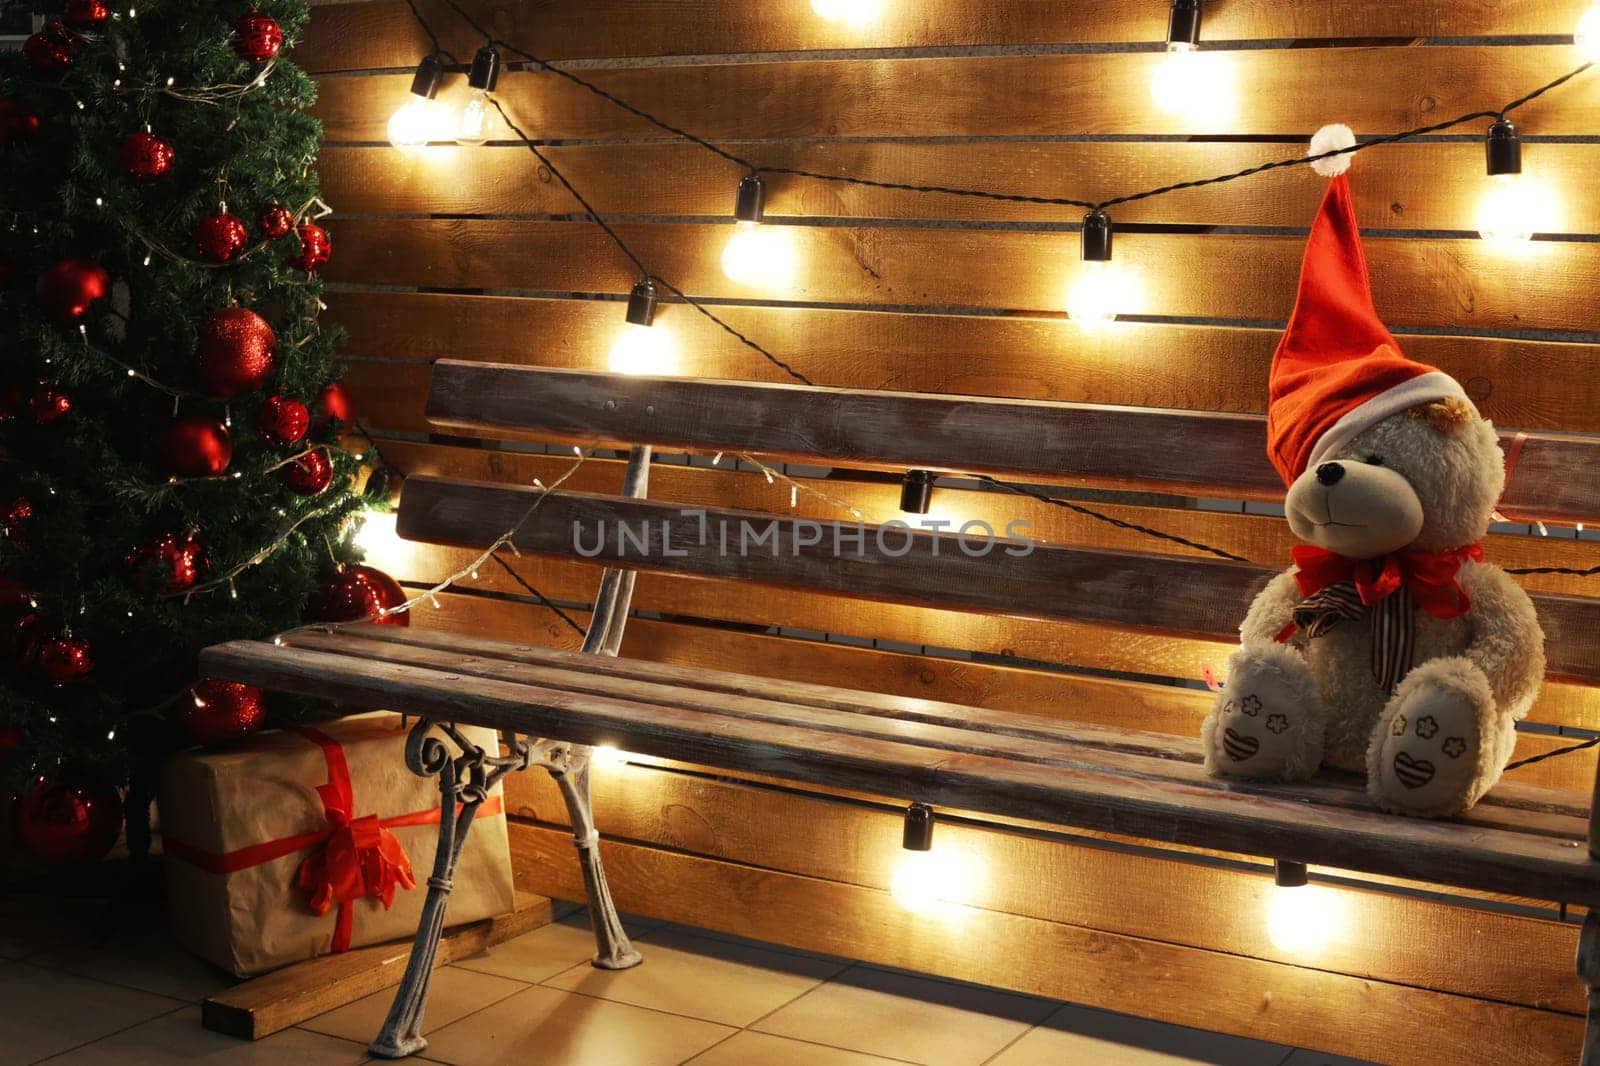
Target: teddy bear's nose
(1329, 473)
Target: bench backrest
(1034, 441)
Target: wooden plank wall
(476, 254)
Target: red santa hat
(1338, 371)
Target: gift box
(307, 841)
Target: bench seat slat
(1483, 858)
(1185, 597)
(955, 727)
(1197, 453)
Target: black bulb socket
(1286, 874)
(1097, 237)
(1503, 148)
(485, 72)
(430, 72)
(1183, 28)
(642, 303)
(916, 491)
(918, 834)
(750, 203)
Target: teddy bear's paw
(1266, 722)
(1427, 755)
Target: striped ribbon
(1393, 625)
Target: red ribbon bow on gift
(361, 859)
(1430, 576)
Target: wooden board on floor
(275, 1001)
(1391, 1023)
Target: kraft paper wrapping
(265, 789)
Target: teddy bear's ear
(1445, 415)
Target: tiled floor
(700, 998)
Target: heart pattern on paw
(1238, 746)
(1412, 772)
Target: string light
(643, 347)
(1303, 918)
(1187, 83)
(916, 491)
(925, 878)
(1514, 208)
(472, 125)
(415, 121)
(1587, 37)
(1101, 291)
(757, 255)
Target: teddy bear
(1389, 648)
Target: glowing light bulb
(1305, 920)
(1101, 292)
(472, 126)
(608, 755)
(926, 880)
(413, 123)
(644, 350)
(1507, 214)
(417, 121)
(852, 12)
(1192, 84)
(760, 256)
(377, 533)
(1587, 37)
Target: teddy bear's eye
(1374, 460)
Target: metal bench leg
(465, 780)
(1589, 970)
(612, 950)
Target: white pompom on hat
(1331, 138)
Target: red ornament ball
(65, 660)
(69, 821)
(50, 404)
(50, 53)
(276, 221)
(176, 562)
(310, 474)
(24, 636)
(282, 421)
(196, 446)
(220, 237)
(146, 156)
(315, 247)
(236, 351)
(86, 14)
(333, 410)
(70, 288)
(220, 711)
(257, 37)
(358, 592)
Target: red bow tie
(1430, 576)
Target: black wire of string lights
(1096, 217)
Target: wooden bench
(1528, 842)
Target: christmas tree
(169, 412)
